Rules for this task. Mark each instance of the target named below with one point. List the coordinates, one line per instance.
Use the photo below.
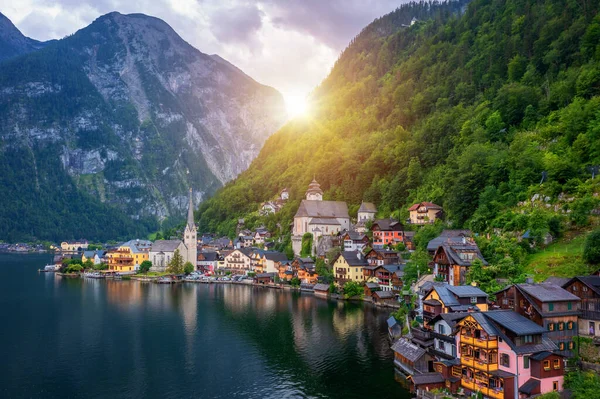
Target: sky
(290, 45)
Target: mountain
(128, 115)
(469, 107)
(13, 42)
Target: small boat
(49, 269)
(165, 280)
(94, 275)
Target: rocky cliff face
(135, 114)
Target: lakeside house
(74, 246)
(549, 306)
(348, 266)
(207, 261)
(128, 256)
(96, 257)
(321, 290)
(239, 261)
(379, 257)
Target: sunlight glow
(296, 105)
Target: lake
(83, 338)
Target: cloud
(290, 45)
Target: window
(555, 385)
(550, 326)
(569, 306)
(441, 345)
(473, 299)
(556, 364)
(550, 307)
(561, 346)
(505, 360)
(528, 339)
(584, 289)
(441, 329)
(574, 288)
(561, 326)
(571, 345)
(570, 325)
(547, 365)
(525, 362)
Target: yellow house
(128, 256)
(349, 267)
(443, 298)
(424, 213)
(74, 246)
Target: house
(387, 232)
(366, 213)
(370, 288)
(270, 260)
(409, 358)
(348, 266)
(260, 235)
(321, 290)
(305, 270)
(74, 246)
(162, 251)
(451, 371)
(264, 278)
(379, 257)
(457, 236)
(442, 327)
(389, 277)
(285, 270)
(424, 213)
(384, 297)
(394, 328)
(268, 207)
(443, 298)
(207, 262)
(587, 288)
(453, 259)
(239, 261)
(501, 351)
(547, 305)
(284, 194)
(354, 241)
(426, 382)
(128, 256)
(95, 256)
(246, 241)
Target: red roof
(425, 204)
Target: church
(162, 251)
(318, 217)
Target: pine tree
(176, 264)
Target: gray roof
(265, 275)
(391, 321)
(593, 282)
(209, 256)
(388, 224)
(352, 258)
(466, 291)
(548, 292)
(321, 287)
(394, 268)
(275, 256)
(427, 378)
(325, 221)
(450, 318)
(483, 321)
(453, 250)
(514, 322)
(165, 245)
(541, 356)
(409, 350)
(372, 285)
(367, 207)
(448, 235)
(560, 281)
(323, 209)
(355, 236)
(531, 385)
(384, 294)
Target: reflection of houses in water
(236, 298)
(124, 294)
(347, 320)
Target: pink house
(504, 355)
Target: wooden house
(321, 290)
(411, 359)
(452, 260)
(587, 288)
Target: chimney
(529, 280)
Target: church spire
(190, 218)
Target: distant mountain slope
(13, 42)
(133, 115)
(465, 108)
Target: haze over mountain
(123, 113)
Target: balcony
(478, 342)
(478, 364)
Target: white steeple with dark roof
(314, 192)
(190, 235)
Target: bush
(295, 282)
(591, 248)
(188, 268)
(351, 289)
(145, 266)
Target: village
(447, 336)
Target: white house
(162, 252)
(443, 325)
(239, 261)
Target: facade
(304, 269)
(587, 288)
(424, 213)
(442, 298)
(409, 358)
(452, 236)
(549, 306)
(284, 195)
(387, 232)
(453, 259)
(321, 290)
(239, 261)
(366, 213)
(318, 217)
(162, 251)
(270, 260)
(442, 330)
(354, 241)
(207, 262)
(348, 266)
(95, 256)
(285, 270)
(379, 257)
(128, 256)
(388, 277)
(74, 246)
(500, 354)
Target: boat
(165, 280)
(94, 275)
(49, 269)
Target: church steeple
(190, 218)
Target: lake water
(83, 338)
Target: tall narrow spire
(190, 218)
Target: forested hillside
(465, 109)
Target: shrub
(591, 248)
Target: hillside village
(447, 332)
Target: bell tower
(190, 238)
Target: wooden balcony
(478, 364)
(480, 343)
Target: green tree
(323, 270)
(176, 264)
(188, 268)
(145, 266)
(88, 265)
(352, 288)
(307, 243)
(295, 282)
(591, 248)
